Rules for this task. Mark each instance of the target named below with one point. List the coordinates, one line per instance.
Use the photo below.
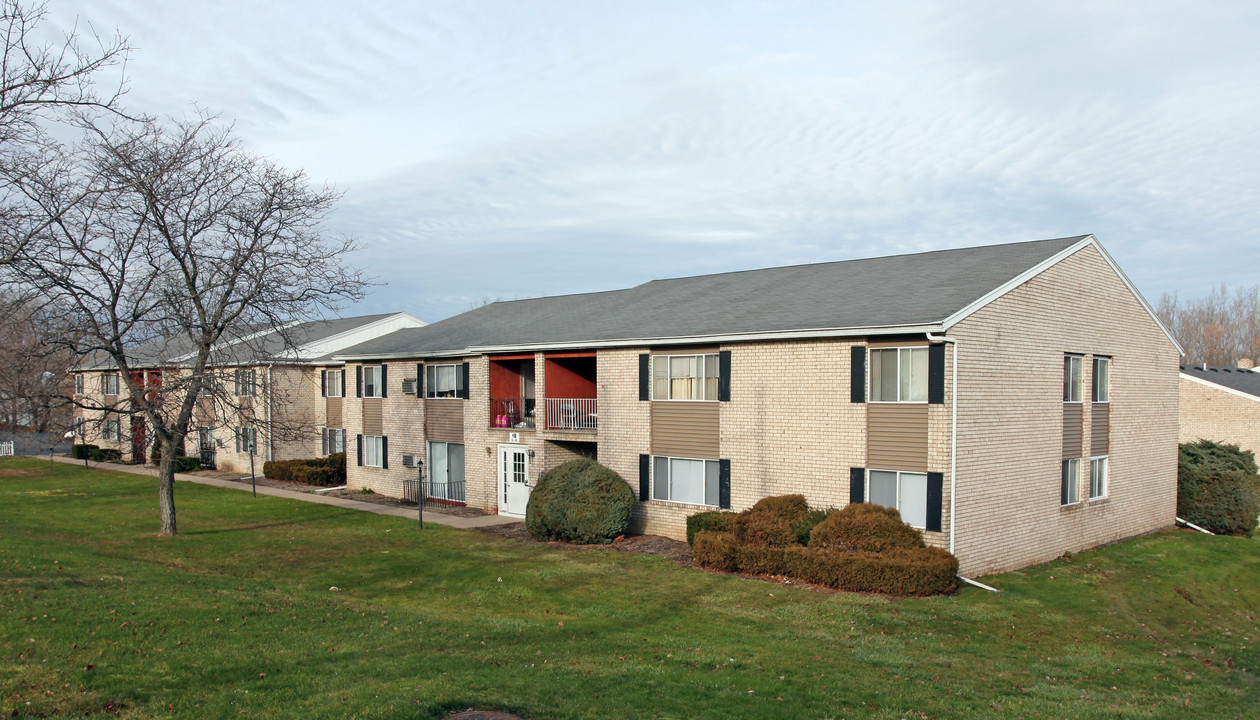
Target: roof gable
(1237, 381)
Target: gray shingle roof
(1244, 381)
(902, 290)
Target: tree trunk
(166, 488)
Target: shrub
(897, 571)
(337, 461)
(865, 527)
(717, 550)
(771, 521)
(78, 452)
(187, 464)
(716, 520)
(325, 471)
(580, 501)
(1218, 487)
(105, 454)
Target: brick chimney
(1247, 364)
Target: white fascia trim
(1046, 264)
(237, 341)
(356, 330)
(1222, 388)
(639, 342)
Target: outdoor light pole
(253, 480)
(420, 492)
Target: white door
(513, 479)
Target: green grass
(234, 617)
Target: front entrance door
(513, 479)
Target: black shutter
(358, 448)
(935, 500)
(857, 485)
(463, 374)
(936, 374)
(343, 381)
(419, 381)
(323, 383)
(385, 453)
(857, 378)
(724, 376)
(645, 464)
(323, 441)
(724, 484)
(645, 362)
(358, 381)
(236, 432)
(384, 382)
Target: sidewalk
(430, 516)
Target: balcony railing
(512, 412)
(435, 493)
(572, 414)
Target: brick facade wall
(1210, 413)
(1010, 418)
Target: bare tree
(1219, 329)
(33, 365)
(182, 251)
(42, 83)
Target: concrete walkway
(430, 516)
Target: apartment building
(1221, 404)
(1014, 401)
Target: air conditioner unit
(409, 387)
(409, 461)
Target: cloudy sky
(519, 149)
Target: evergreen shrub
(580, 501)
(1218, 487)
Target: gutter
(953, 441)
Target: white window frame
(109, 384)
(373, 451)
(78, 384)
(905, 355)
(245, 437)
(900, 486)
(432, 389)
(1073, 377)
(1101, 393)
(446, 483)
(336, 439)
(707, 384)
(205, 439)
(1074, 497)
(1099, 476)
(373, 387)
(246, 382)
(663, 487)
(111, 428)
(333, 380)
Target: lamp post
(420, 492)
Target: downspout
(953, 438)
(271, 430)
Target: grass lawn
(235, 617)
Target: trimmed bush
(105, 454)
(580, 501)
(1218, 487)
(865, 527)
(715, 520)
(187, 464)
(78, 452)
(325, 471)
(771, 521)
(716, 550)
(898, 571)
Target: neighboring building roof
(902, 293)
(1238, 380)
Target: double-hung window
(685, 377)
(443, 381)
(1072, 378)
(1070, 487)
(111, 428)
(109, 384)
(1102, 379)
(904, 491)
(899, 374)
(373, 381)
(78, 384)
(245, 382)
(247, 440)
(686, 480)
(373, 450)
(333, 383)
(1098, 478)
(335, 440)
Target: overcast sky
(535, 148)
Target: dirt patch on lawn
(243, 479)
(18, 472)
(673, 550)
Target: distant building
(1221, 404)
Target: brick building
(1015, 402)
(1221, 404)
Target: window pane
(916, 389)
(686, 480)
(445, 381)
(438, 468)
(1102, 379)
(684, 377)
(883, 488)
(711, 469)
(660, 377)
(660, 478)
(1071, 378)
(914, 499)
(710, 377)
(1070, 491)
(455, 462)
(430, 381)
(884, 378)
(1097, 478)
(877, 374)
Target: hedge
(105, 454)
(1218, 487)
(717, 520)
(325, 471)
(78, 452)
(865, 527)
(580, 501)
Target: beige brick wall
(1210, 413)
(1011, 409)
(93, 396)
(402, 421)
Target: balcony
(514, 412)
(581, 414)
